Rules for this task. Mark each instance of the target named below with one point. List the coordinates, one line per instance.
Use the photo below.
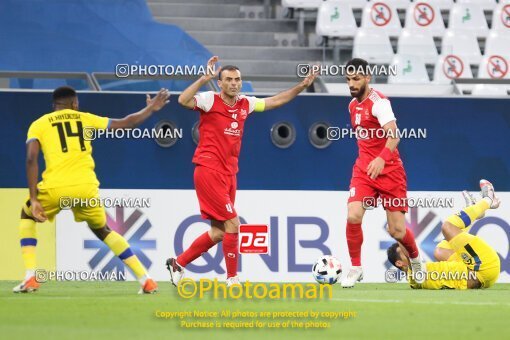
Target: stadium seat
(463, 44)
(356, 4)
(450, 67)
(419, 43)
(382, 16)
(498, 43)
(489, 90)
(305, 4)
(372, 45)
(484, 4)
(440, 4)
(470, 18)
(410, 70)
(495, 67)
(335, 19)
(426, 17)
(501, 19)
(398, 4)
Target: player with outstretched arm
(70, 174)
(378, 171)
(222, 119)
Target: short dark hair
(63, 92)
(359, 65)
(393, 256)
(228, 68)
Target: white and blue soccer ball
(327, 270)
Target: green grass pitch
(113, 310)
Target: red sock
(231, 252)
(354, 241)
(197, 248)
(410, 244)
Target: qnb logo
(253, 239)
(133, 227)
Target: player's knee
(24, 215)
(396, 233)
(101, 233)
(446, 227)
(217, 235)
(441, 254)
(354, 217)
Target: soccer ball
(327, 270)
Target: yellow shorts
(55, 199)
(478, 257)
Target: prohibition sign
(505, 15)
(497, 67)
(380, 14)
(452, 66)
(423, 14)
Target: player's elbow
(182, 101)
(31, 160)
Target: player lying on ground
(70, 173)
(378, 171)
(471, 263)
(222, 118)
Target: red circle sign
(452, 66)
(505, 15)
(497, 67)
(423, 14)
(380, 14)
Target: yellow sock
(120, 247)
(28, 241)
(468, 215)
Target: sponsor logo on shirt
(233, 130)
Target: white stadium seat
(335, 19)
(425, 16)
(450, 67)
(498, 43)
(357, 4)
(410, 70)
(485, 4)
(382, 16)
(489, 90)
(470, 18)
(463, 44)
(495, 67)
(372, 45)
(398, 4)
(420, 43)
(305, 4)
(440, 4)
(501, 18)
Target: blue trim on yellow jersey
(28, 242)
(109, 123)
(126, 254)
(29, 140)
(465, 218)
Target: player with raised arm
(467, 261)
(222, 119)
(378, 171)
(70, 173)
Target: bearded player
(69, 174)
(465, 261)
(378, 171)
(222, 119)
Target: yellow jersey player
(70, 174)
(471, 263)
